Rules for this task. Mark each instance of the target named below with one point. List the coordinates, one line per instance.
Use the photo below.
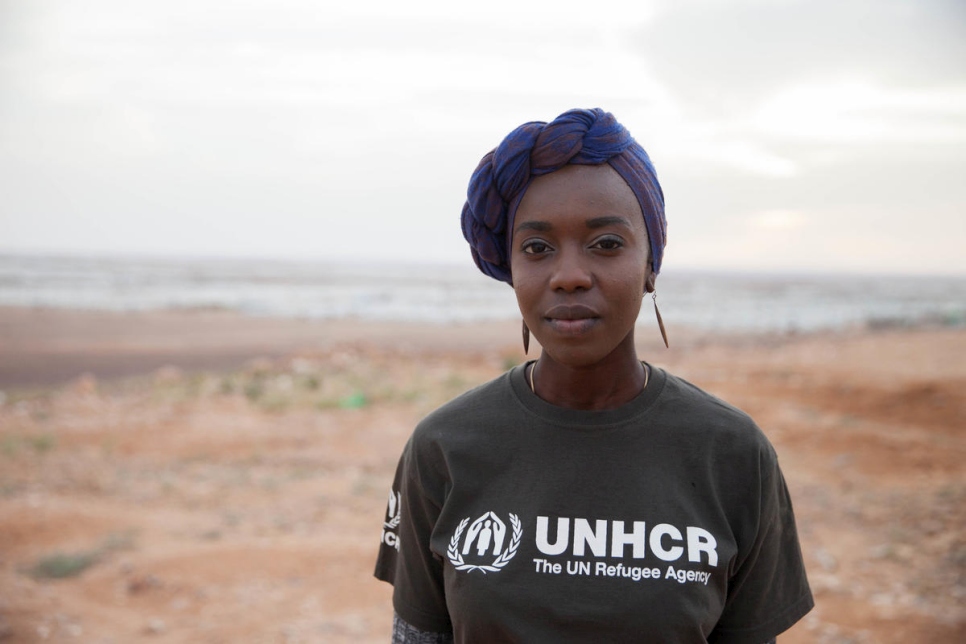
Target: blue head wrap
(585, 137)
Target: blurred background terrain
(243, 500)
(232, 280)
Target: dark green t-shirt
(665, 520)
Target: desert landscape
(202, 476)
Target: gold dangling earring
(660, 322)
(526, 338)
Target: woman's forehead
(594, 185)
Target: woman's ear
(649, 282)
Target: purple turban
(584, 137)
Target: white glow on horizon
(779, 219)
(278, 129)
(857, 111)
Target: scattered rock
(85, 385)
(826, 560)
(167, 375)
(142, 583)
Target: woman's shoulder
(679, 390)
(477, 406)
(693, 409)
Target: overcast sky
(812, 135)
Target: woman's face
(579, 259)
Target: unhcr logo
(483, 543)
(390, 534)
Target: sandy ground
(215, 478)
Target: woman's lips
(571, 319)
(572, 327)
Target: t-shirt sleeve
(405, 559)
(768, 590)
(389, 542)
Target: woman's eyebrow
(539, 226)
(600, 222)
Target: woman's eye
(535, 247)
(608, 243)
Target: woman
(585, 496)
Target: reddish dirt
(247, 506)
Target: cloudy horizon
(788, 136)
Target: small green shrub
(254, 390)
(43, 443)
(62, 565)
(355, 400)
(509, 362)
(312, 383)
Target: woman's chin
(575, 357)
(580, 351)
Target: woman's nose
(570, 272)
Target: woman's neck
(608, 384)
